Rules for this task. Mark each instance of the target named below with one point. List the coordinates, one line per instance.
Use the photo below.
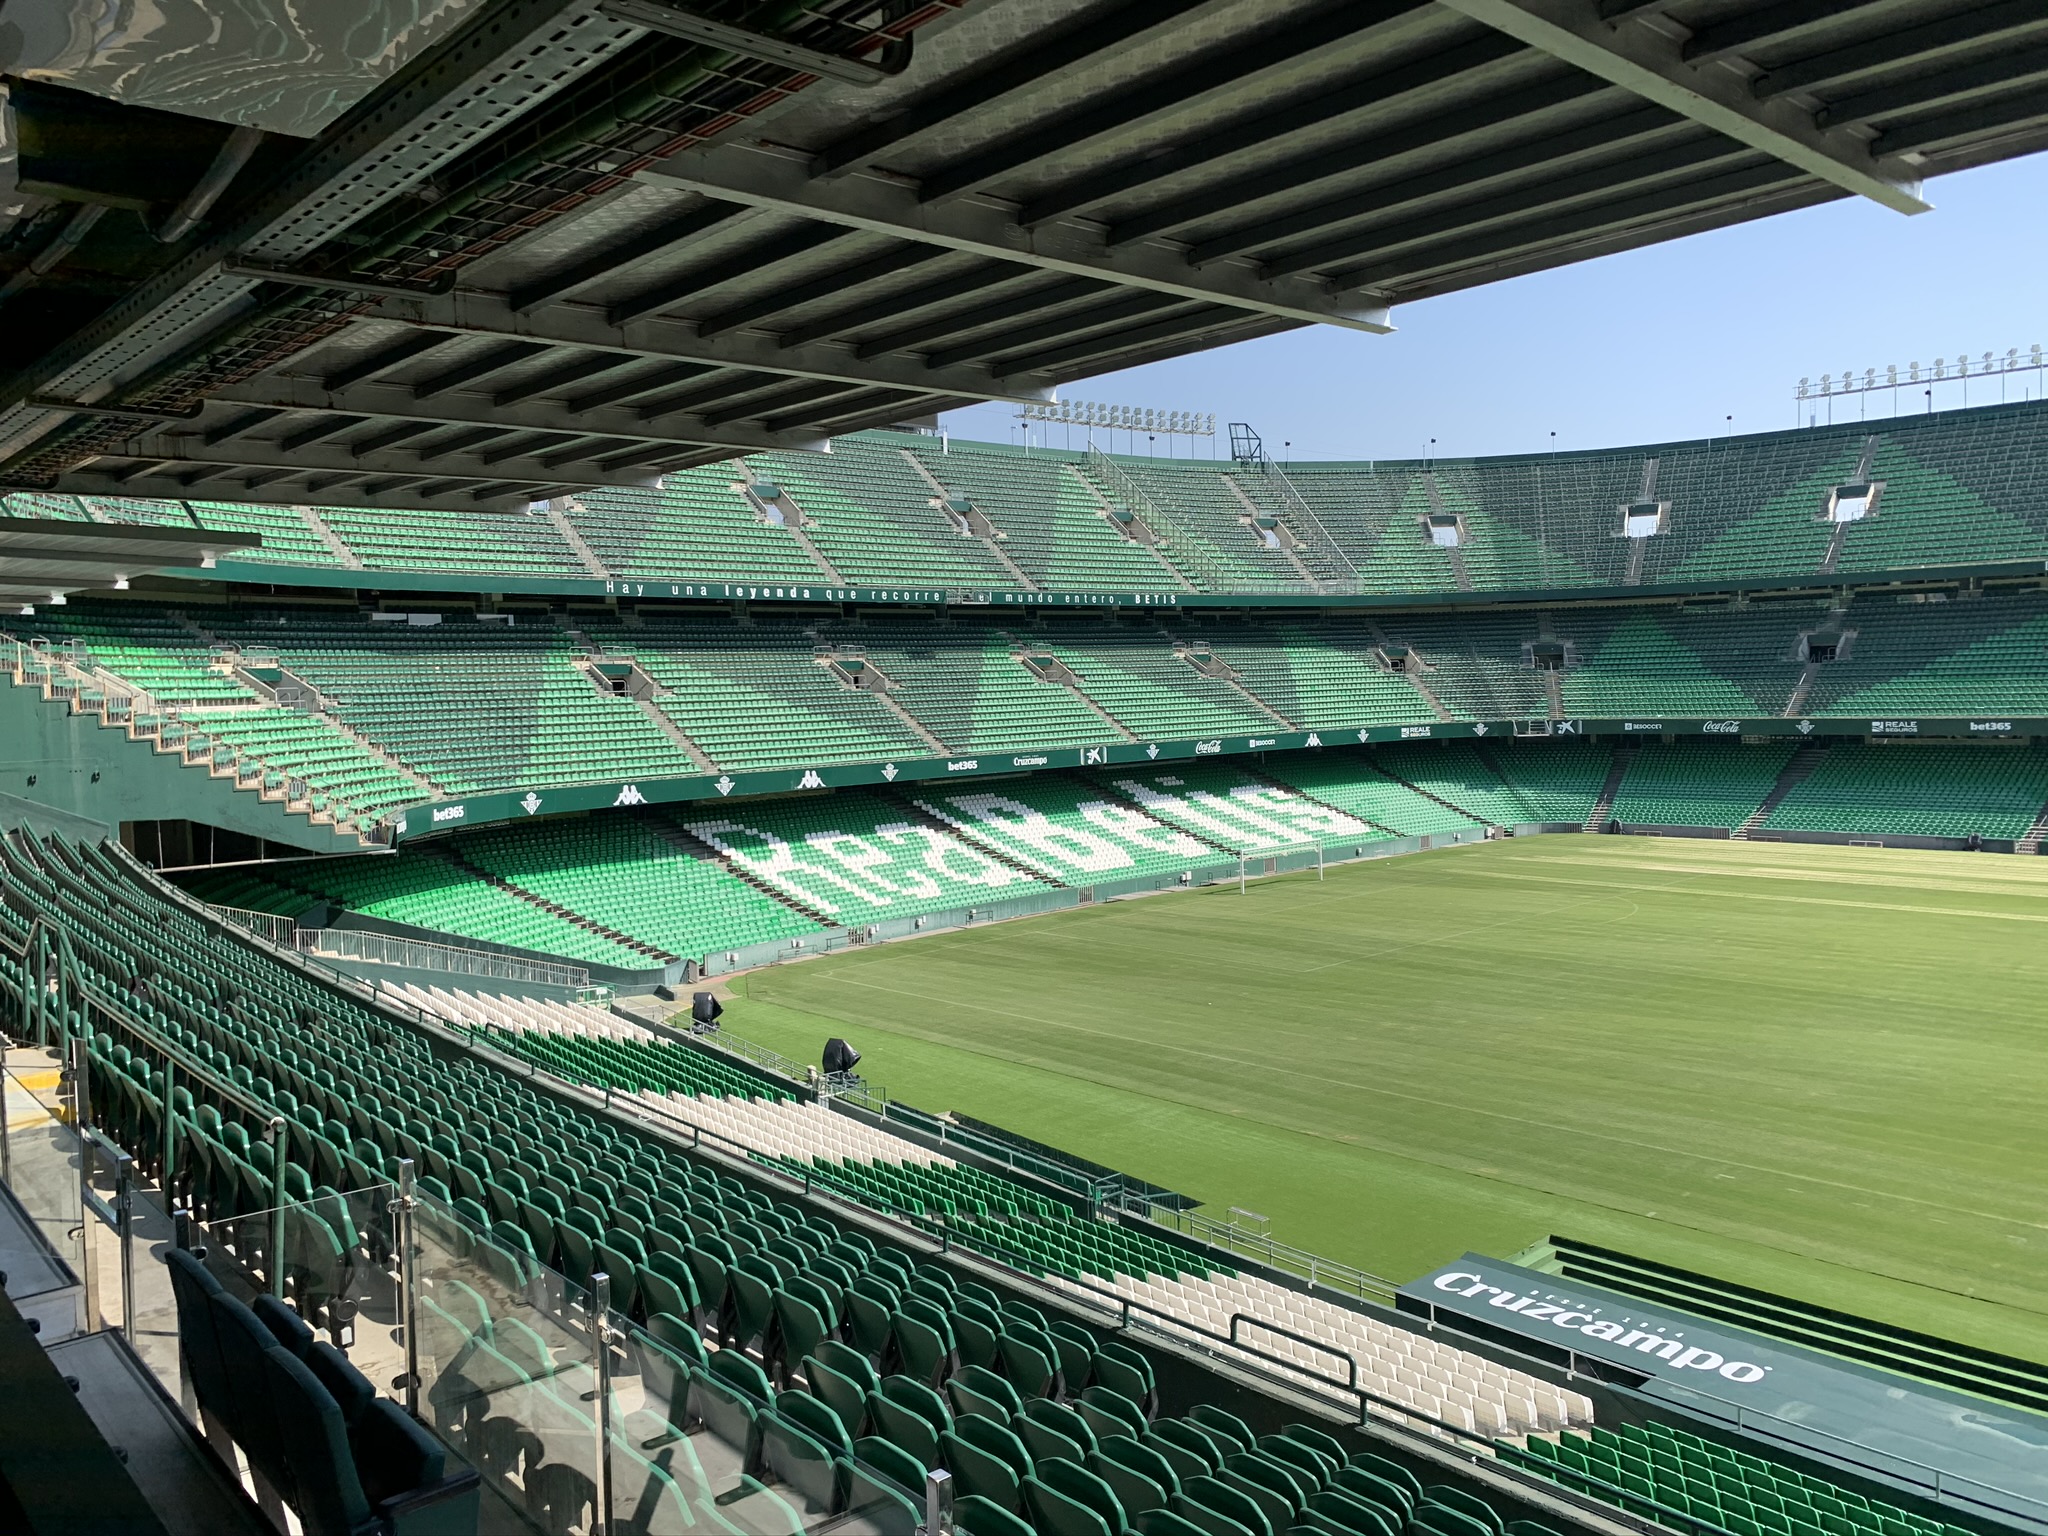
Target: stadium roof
(571, 242)
(41, 559)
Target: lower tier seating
(1698, 784)
(1919, 790)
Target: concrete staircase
(1603, 806)
(793, 525)
(1173, 574)
(1833, 557)
(1796, 772)
(1060, 675)
(1416, 680)
(318, 527)
(1253, 509)
(641, 698)
(1457, 554)
(990, 541)
(558, 519)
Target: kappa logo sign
(1313, 740)
(1646, 1338)
(629, 794)
(810, 780)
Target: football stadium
(610, 927)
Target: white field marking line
(1803, 901)
(2018, 887)
(1266, 1065)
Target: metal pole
(402, 1207)
(167, 1180)
(81, 1116)
(938, 1502)
(124, 1212)
(6, 1156)
(601, 1346)
(280, 1143)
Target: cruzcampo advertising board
(1986, 1452)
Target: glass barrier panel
(506, 1373)
(41, 1158)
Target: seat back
(327, 1494)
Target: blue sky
(1649, 345)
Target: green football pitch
(1818, 1070)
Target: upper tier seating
(512, 544)
(1958, 488)
(1055, 528)
(694, 526)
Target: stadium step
(1623, 754)
(1638, 548)
(1804, 761)
(1214, 667)
(558, 508)
(1288, 545)
(1173, 574)
(911, 723)
(641, 698)
(317, 525)
(1060, 675)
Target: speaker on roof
(839, 1056)
(705, 1008)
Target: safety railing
(423, 955)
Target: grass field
(1819, 1070)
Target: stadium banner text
(429, 817)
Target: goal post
(1247, 856)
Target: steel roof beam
(1079, 250)
(1584, 225)
(754, 259)
(1234, 195)
(2009, 112)
(1120, 310)
(1038, 63)
(305, 437)
(897, 305)
(1116, 344)
(1765, 25)
(1374, 90)
(476, 312)
(384, 359)
(997, 312)
(892, 263)
(1547, 152)
(622, 390)
(675, 428)
(1224, 69)
(619, 255)
(2012, 66)
(482, 366)
(1899, 47)
(459, 461)
(219, 483)
(1686, 159)
(1645, 61)
(551, 381)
